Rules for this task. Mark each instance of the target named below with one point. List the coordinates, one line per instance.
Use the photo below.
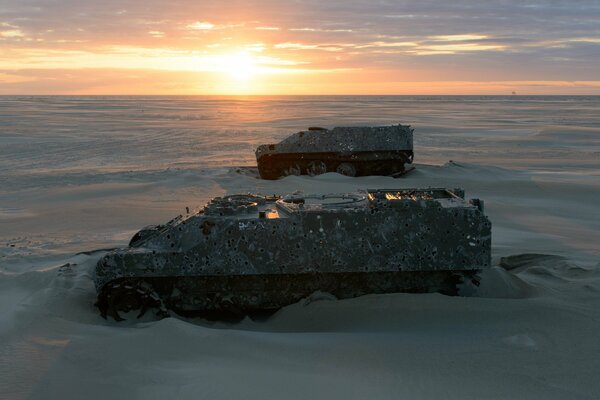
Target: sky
(202, 47)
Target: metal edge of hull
(196, 295)
(275, 165)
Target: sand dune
(529, 331)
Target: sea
(58, 138)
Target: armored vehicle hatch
(246, 252)
(352, 151)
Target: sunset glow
(297, 48)
(239, 66)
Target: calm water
(76, 166)
(56, 138)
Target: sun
(239, 66)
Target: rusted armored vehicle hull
(352, 151)
(244, 253)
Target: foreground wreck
(244, 253)
(351, 151)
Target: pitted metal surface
(367, 232)
(348, 150)
(344, 139)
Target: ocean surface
(79, 175)
(59, 138)
(52, 146)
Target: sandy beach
(80, 175)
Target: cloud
(386, 44)
(10, 31)
(301, 46)
(208, 26)
(492, 40)
(458, 38)
(457, 48)
(201, 26)
(255, 47)
(139, 58)
(581, 40)
(307, 29)
(295, 46)
(10, 78)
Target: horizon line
(299, 95)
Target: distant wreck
(244, 253)
(351, 151)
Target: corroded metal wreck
(351, 151)
(242, 253)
